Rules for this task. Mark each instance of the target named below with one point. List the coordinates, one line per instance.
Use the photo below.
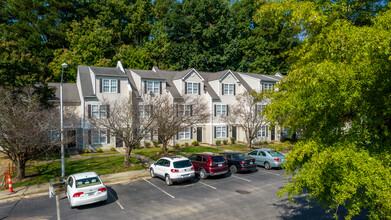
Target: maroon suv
(209, 164)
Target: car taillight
(102, 189)
(78, 194)
(174, 170)
(242, 162)
(192, 168)
(209, 162)
(276, 159)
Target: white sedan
(85, 188)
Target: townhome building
(96, 87)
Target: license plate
(220, 165)
(186, 175)
(90, 194)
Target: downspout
(83, 123)
(211, 121)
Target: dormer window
(228, 89)
(153, 86)
(267, 86)
(192, 88)
(109, 86)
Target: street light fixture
(64, 65)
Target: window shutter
(160, 84)
(107, 111)
(89, 111)
(191, 133)
(234, 89)
(215, 110)
(100, 85)
(222, 88)
(227, 111)
(185, 87)
(89, 136)
(215, 131)
(191, 110)
(177, 135)
(108, 136)
(226, 131)
(145, 87)
(119, 86)
(199, 88)
(267, 130)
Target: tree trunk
(249, 145)
(127, 156)
(164, 142)
(21, 168)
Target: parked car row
(179, 168)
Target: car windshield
(182, 164)
(218, 159)
(275, 154)
(91, 181)
(241, 156)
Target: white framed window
(267, 86)
(221, 110)
(98, 137)
(262, 132)
(144, 110)
(153, 86)
(260, 108)
(185, 134)
(184, 110)
(99, 111)
(109, 85)
(192, 88)
(55, 136)
(221, 131)
(229, 89)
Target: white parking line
(241, 178)
(58, 209)
(160, 189)
(116, 201)
(263, 171)
(207, 185)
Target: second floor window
(153, 86)
(184, 110)
(267, 86)
(98, 111)
(144, 110)
(261, 108)
(110, 85)
(221, 110)
(228, 89)
(192, 88)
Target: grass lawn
(101, 165)
(199, 149)
(52, 156)
(97, 154)
(241, 148)
(153, 152)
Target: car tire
(267, 166)
(168, 180)
(152, 173)
(203, 174)
(233, 169)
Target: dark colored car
(209, 164)
(238, 161)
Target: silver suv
(173, 169)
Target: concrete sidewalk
(43, 189)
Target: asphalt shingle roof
(70, 92)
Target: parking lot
(242, 195)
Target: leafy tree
(337, 94)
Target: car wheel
(233, 169)
(267, 166)
(152, 173)
(203, 174)
(168, 180)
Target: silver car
(268, 158)
(85, 188)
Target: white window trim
(110, 85)
(267, 86)
(153, 87)
(262, 132)
(184, 110)
(97, 136)
(222, 133)
(99, 111)
(142, 112)
(185, 134)
(227, 89)
(194, 89)
(220, 112)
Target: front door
(273, 134)
(234, 133)
(118, 142)
(199, 134)
(71, 135)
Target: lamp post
(64, 65)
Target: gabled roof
(70, 92)
(132, 83)
(226, 73)
(147, 74)
(108, 72)
(85, 81)
(242, 81)
(266, 78)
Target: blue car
(268, 158)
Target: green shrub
(233, 140)
(155, 143)
(86, 151)
(99, 150)
(218, 142)
(176, 146)
(194, 143)
(186, 144)
(265, 142)
(225, 142)
(138, 145)
(113, 149)
(147, 144)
